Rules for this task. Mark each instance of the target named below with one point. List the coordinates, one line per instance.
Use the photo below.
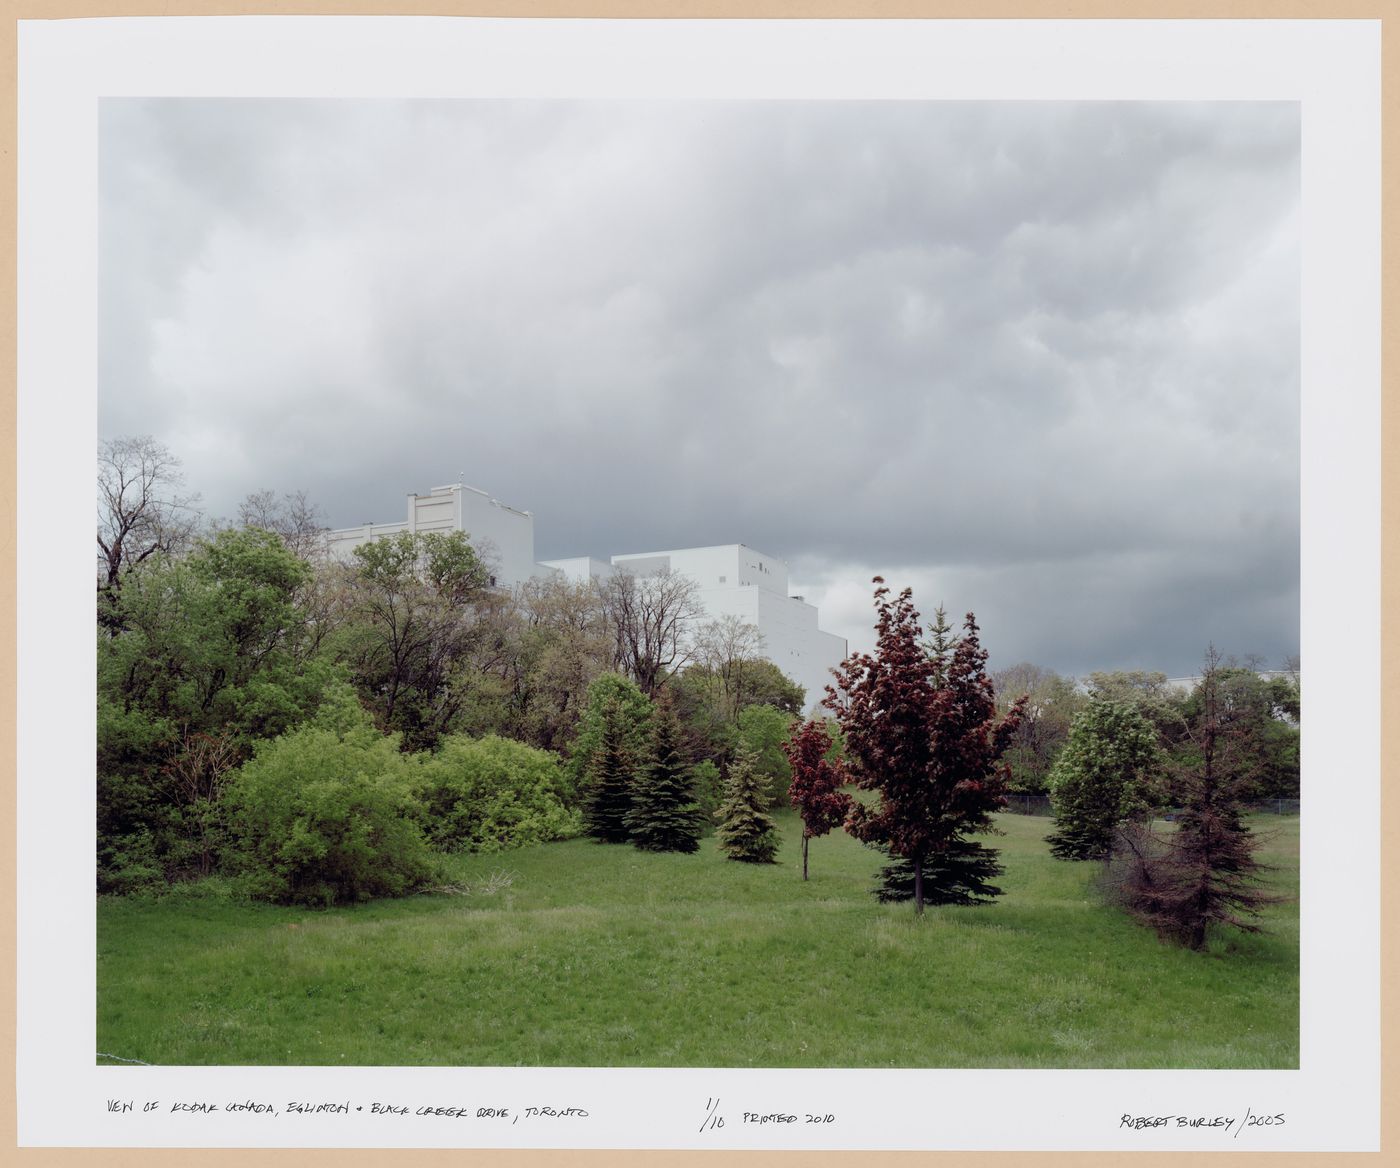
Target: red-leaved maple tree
(920, 728)
(816, 784)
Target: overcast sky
(1037, 360)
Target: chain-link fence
(1040, 805)
(1275, 806)
(1029, 805)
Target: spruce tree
(609, 776)
(920, 727)
(746, 830)
(665, 816)
(1206, 872)
(960, 874)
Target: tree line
(321, 731)
(228, 649)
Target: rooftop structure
(503, 536)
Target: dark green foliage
(323, 818)
(491, 794)
(709, 790)
(419, 608)
(635, 710)
(609, 775)
(746, 831)
(665, 816)
(210, 647)
(960, 874)
(1107, 773)
(1258, 730)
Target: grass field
(600, 955)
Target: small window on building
(724, 579)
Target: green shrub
(320, 817)
(490, 794)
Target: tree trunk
(804, 857)
(918, 885)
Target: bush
(490, 794)
(321, 817)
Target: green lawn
(599, 955)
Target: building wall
(579, 569)
(736, 580)
(503, 536)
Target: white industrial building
(503, 536)
(733, 580)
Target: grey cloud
(1031, 344)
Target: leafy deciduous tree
(417, 614)
(1052, 702)
(322, 818)
(763, 730)
(920, 728)
(635, 710)
(817, 779)
(1107, 773)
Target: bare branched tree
(724, 647)
(141, 509)
(651, 617)
(198, 774)
(292, 515)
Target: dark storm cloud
(1043, 355)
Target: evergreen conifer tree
(746, 830)
(1206, 873)
(960, 874)
(665, 816)
(610, 777)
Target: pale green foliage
(490, 794)
(635, 710)
(1107, 772)
(321, 817)
(763, 730)
(746, 830)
